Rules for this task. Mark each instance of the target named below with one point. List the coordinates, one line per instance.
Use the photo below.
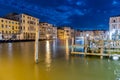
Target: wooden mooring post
(101, 48)
(36, 45)
(73, 42)
(85, 45)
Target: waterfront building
(9, 29)
(114, 27)
(72, 33)
(65, 33)
(93, 34)
(28, 25)
(54, 32)
(47, 31)
(60, 33)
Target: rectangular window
(2, 32)
(23, 21)
(2, 26)
(12, 27)
(2, 20)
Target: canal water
(55, 63)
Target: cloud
(73, 12)
(80, 3)
(116, 3)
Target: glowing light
(115, 57)
(87, 35)
(47, 35)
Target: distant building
(72, 33)
(28, 25)
(47, 31)
(93, 35)
(114, 27)
(9, 29)
(60, 33)
(54, 32)
(65, 33)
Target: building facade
(93, 35)
(47, 31)
(60, 33)
(114, 28)
(65, 33)
(28, 25)
(9, 29)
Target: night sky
(82, 14)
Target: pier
(111, 47)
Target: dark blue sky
(91, 14)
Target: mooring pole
(101, 49)
(36, 45)
(72, 44)
(73, 41)
(85, 46)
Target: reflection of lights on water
(54, 48)
(36, 71)
(10, 49)
(67, 49)
(117, 70)
(48, 54)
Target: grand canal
(17, 63)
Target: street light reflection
(48, 56)
(67, 49)
(10, 50)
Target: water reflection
(10, 50)
(22, 66)
(67, 49)
(116, 67)
(36, 72)
(54, 48)
(48, 55)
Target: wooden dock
(101, 47)
(91, 54)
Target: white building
(114, 28)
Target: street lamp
(47, 35)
